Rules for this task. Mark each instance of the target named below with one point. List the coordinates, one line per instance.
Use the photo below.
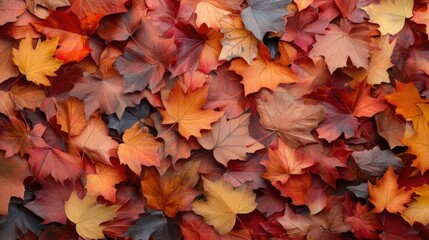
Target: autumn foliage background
(214, 119)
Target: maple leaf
(174, 191)
(295, 224)
(302, 27)
(237, 41)
(196, 49)
(54, 162)
(13, 171)
(406, 99)
(16, 137)
(291, 118)
(210, 14)
(389, 14)
(7, 68)
(363, 223)
(418, 143)
(73, 43)
(7, 106)
(386, 194)
(185, 109)
(343, 107)
(139, 148)
(90, 12)
(262, 16)
(129, 118)
(328, 158)
(120, 27)
(41, 8)
(226, 92)
(37, 63)
(102, 182)
(230, 139)
(282, 163)
(146, 59)
(175, 145)
(88, 215)
(263, 72)
(417, 209)
(396, 228)
(71, 115)
(154, 226)
(49, 202)
(223, 204)
(104, 94)
(94, 142)
(341, 43)
(380, 62)
(375, 162)
(27, 95)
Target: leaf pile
(214, 119)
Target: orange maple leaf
(282, 163)
(406, 99)
(186, 110)
(262, 72)
(174, 191)
(102, 182)
(139, 148)
(16, 137)
(386, 194)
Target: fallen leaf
(380, 62)
(416, 210)
(406, 99)
(389, 14)
(71, 115)
(291, 118)
(94, 142)
(74, 45)
(386, 194)
(16, 137)
(186, 110)
(87, 214)
(340, 43)
(223, 204)
(49, 202)
(262, 72)
(230, 140)
(102, 182)
(172, 192)
(282, 163)
(37, 63)
(374, 162)
(237, 41)
(262, 16)
(7, 67)
(139, 148)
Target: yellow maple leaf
(418, 144)
(209, 14)
(37, 63)
(386, 194)
(223, 204)
(88, 215)
(139, 148)
(390, 14)
(418, 210)
(237, 40)
(380, 62)
(186, 110)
